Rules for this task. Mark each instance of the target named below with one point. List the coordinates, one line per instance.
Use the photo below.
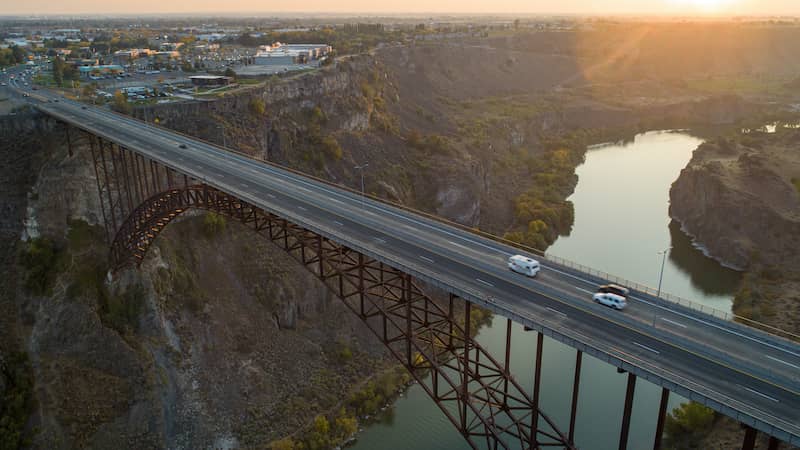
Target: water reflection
(704, 273)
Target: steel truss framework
(478, 394)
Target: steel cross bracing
(139, 198)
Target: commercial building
(279, 54)
(210, 80)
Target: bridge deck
(745, 374)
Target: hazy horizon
(413, 7)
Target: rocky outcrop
(738, 201)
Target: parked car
(615, 301)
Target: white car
(615, 301)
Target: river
(621, 225)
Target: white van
(611, 300)
(523, 265)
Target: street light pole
(661, 276)
(222, 128)
(361, 168)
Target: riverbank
(738, 198)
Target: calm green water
(621, 224)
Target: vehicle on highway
(524, 265)
(182, 146)
(615, 301)
(614, 289)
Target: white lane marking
(584, 290)
(380, 241)
(649, 349)
(302, 208)
(458, 245)
(673, 322)
(338, 223)
(556, 311)
(425, 258)
(244, 185)
(484, 282)
(221, 175)
(761, 394)
(783, 362)
(270, 196)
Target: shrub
(284, 444)
(213, 224)
(796, 183)
(122, 312)
(332, 148)
(687, 423)
(16, 402)
(257, 107)
(42, 261)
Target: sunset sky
(725, 7)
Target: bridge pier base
(662, 414)
(750, 434)
(626, 413)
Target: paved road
(738, 371)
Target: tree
(121, 103)
(319, 437)
(230, 73)
(58, 71)
(19, 54)
(687, 424)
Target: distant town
(162, 61)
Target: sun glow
(705, 5)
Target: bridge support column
(662, 414)
(774, 443)
(99, 188)
(626, 413)
(576, 383)
(69, 140)
(750, 434)
(537, 380)
(465, 364)
(507, 363)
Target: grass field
(740, 85)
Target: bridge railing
(669, 298)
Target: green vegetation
(346, 39)
(43, 261)
(64, 72)
(16, 403)
(213, 224)
(11, 56)
(121, 312)
(541, 212)
(687, 424)
(796, 183)
(332, 148)
(750, 84)
(432, 143)
(378, 392)
(257, 107)
(120, 103)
